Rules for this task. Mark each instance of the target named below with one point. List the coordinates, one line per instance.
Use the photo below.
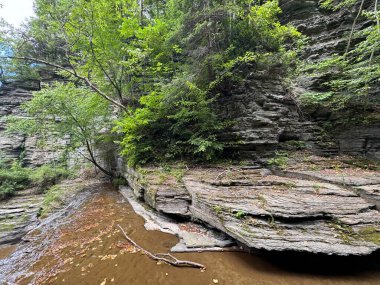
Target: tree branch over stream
(73, 73)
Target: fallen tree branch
(165, 257)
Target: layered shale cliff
(263, 112)
(17, 146)
(327, 33)
(297, 201)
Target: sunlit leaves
(65, 110)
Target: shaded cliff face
(328, 32)
(264, 111)
(20, 146)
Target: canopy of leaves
(161, 61)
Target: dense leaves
(16, 177)
(159, 62)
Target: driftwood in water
(164, 257)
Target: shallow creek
(88, 248)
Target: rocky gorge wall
(19, 146)
(263, 114)
(315, 205)
(263, 108)
(311, 203)
(327, 33)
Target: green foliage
(370, 234)
(163, 60)
(350, 79)
(336, 5)
(293, 145)
(13, 179)
(199, 46)
(46, 175)
(54, 196)
(18, 178)
(218, 209)
(118, 181)
(177, 123)
(65, 111)
(240, 214)
(280, 160)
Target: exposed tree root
(164, 257)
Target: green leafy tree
(65, 111)
(160, 62)
(176, 122)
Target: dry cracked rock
(279, 213)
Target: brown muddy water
(7, 250)
(88, 248)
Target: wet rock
(17, 214)
(193, 237)
(160, 190)
(294, 210)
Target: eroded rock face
(363, 141)
(326, 29)
(17, 213)
(316, 205)
(263, 114)
(18, 146)
(278, 213)
(327, 32)
(193, 236)
(20, 214)
(159, 189)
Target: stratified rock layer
(277, 213)
(263, 113)
(328, 32)
(317, 205)
(18, 146)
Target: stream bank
(86, 247)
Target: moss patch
(370, 234)
(345, 232)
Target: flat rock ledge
(192, 236)
(20, 214)
(305, 213)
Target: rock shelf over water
(328, 210)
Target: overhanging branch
(73, 73)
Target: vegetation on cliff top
(351, 78)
